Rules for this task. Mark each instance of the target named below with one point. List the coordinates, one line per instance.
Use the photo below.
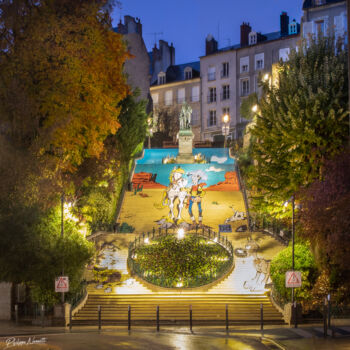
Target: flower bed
(180, 263)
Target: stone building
(326, 17)
(178, 84)
(137, 68)
(230, 74)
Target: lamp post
(293, 235)
(62, 235)
(225, 129)
(150, 131)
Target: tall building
(178, 84)
(230, 74)
(137, 67)
(326, 17)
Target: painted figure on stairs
(196, 194)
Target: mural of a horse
(176, 190)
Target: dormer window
(188, 73)
(320, 2)
(252, 38)
(161, 78)
(293, 28)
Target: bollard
(99, 317)
(191, 318)
(262, 318)
(226, 317)
(16, 313)
(42, 314)
(295, 315)
(70, 317)
(325, 318)
(129, 318)
(157, 318)
(329, 311)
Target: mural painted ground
(188, 196)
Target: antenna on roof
(155, 36)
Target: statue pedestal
(185, 155)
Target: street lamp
(225, 128)
(291, 200)
(150, 131)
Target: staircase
(174, 309)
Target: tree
(302, 121)
(325, 217)
(304, 262)
(61, 81)
(31, 238)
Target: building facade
(179, 84)
(230, 74)
(137, 67)
(325, 17)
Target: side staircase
(174, 309)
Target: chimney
(245, 30)
(172, 54)
(211, 45)
(284, 20)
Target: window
(225, 95)
(168, 98)
(212, 95)
(225, 70)
(188, 73)
(244, 64)
(195, 94)
(211, 73)
(319, 28)
(195, 117)
(252, 38)
(320, 2)
(259, 61)
(181, 95)
(212, 118)
(226, 110)
(155, 98)
(284, 54)
(293, 28)
(161, 78)
(244, 87)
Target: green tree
(304, 262)
(31, 238)
(301, 122)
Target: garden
(185, 262)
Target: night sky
(186, 23)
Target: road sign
(62, 284)
(293, 279)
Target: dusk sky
(186, 23)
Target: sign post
(293, 279)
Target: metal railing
(161, 280)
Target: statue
(185, 116)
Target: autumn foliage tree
(61, 81)
(325, 217)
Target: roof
(310, 3)
(177, 72)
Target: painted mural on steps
(184, 187)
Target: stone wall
(5, 301)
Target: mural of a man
(196, 194)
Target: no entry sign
(62, 284)
(293, 279)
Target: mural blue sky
(186, 23)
